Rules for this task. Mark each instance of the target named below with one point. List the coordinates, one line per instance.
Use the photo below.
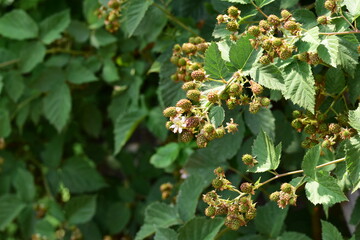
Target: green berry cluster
(266, 33)
(319, 129)
(165, 190)
(309, 57)
(286, 195)
(111, 13)
(231, 19)
(239, 211)
(249, 160)
(332, 5)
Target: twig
(258, 9)
(5, 64)
(341, 33)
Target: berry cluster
(190, 117)
(231, 19)
(284, 197)
(266, 36)
(318, 129)
(239, 210)
(111, 13)
(249, 160)
(332, 5)
(165, 190)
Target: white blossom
(178, 124)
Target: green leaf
(80, 176)
(335, 80)
(200, 228)
(267, 155)
(320, 8)
(18, 25)
(116, 218)
(270, 219)
(242, 54)
(53, 26)
(80, 209)
(311, 160)
(348, 55)
(329, 231)
(261, 121)
(24, 185)
(355, 215)
(165, 155)
(165, 234)
(305, 17)
(57, 106)
(31, 54)
(79, 31)
(89, 7)
(125, 126)
(53, 151)
(293, 236)
(188, 196)
(156, 122)
(215, 66)
(354, 119)
(10, 207)
(324, 190)
(353, 6)
(354, 87)
(262, 3)
(109, 72)
(100, 38)
(299, 82)
(312, 37)
(132, 14)
(238, 1)
(78, 74)
(5, 126)
(352, 161)
(217, 115)
(268, 76)
(328, 50)
(14, 85)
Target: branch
(258, 9)
(341, 33)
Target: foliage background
(82, 128)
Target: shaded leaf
(200, 228)
(354, 119)
(133, 13)
(165, 234)
(352, 161)
(329, 232)
(24, 185)
(261, 121)
(51, 27)
(165, 155)
(10, 207)
(270, 219)
(311, 160)
(80, 209)
(31, 54)
(18, 25)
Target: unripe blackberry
(114, 4)
(292, 201)
(310, 129)
(193, 95)
(264, 25)
(254, 30)
(321, 117)
(201, 141)
(220, 132)
(265, 102)
(213, 97)
(177, 48)
(192, 122)
(323, 20)
(296, 123)
(277, 42)
(266, 44)
(265, 59)
(275, 196)
(296, 114)
(233, 12)
(330, 5)
(285, 53)
(168, 124)
(220, 19)
(326, 143)
(185, 104)
(233, 223)
(254, 106)
(254, 43)
(243, 208)
(323, 127)
(174, 60)
(345, 133)
(166, 187)
(251, 214)
(248, 160)
(198, 75)
(217, 183)
(231, 103)
(199, 40)
(304, 56)
(210, 197)
(306, 143)
(224, 96)
(169, 112)
(256, 88)
(273, 20)
(247, 188)
(187, 78)
(209, 128)
(235, 88)
(219, 171)
(221, 209)
(314, 58)
(186, 136)
(290, 25)
(232, 26)
(334, 128)
(342, 119)
(210, 211)
(192, 40)
(189, 86)
(287, 188)
(201, 47)
(285, 14)
(182, 62)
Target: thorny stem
(174, 19)
(259, 10)
(299, 171)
